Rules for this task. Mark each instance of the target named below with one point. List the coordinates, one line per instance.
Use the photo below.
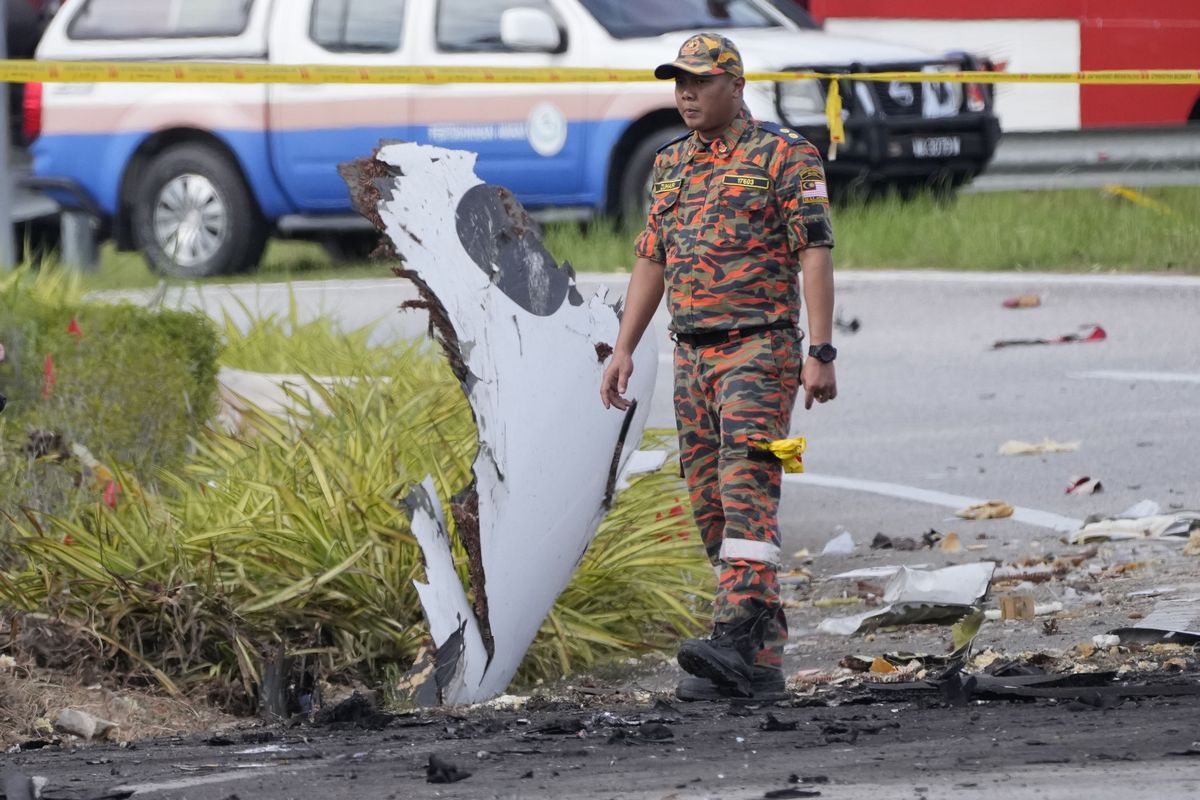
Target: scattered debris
(912, 596)
(1106, 640)
(843, 325)
(840, 545)
(830, 602)
(1037, 573)
(950, 543)
(1038, 610)
(874, 572)
(1084, 484)
(905, 543)
(1142, 508)
(522, 341)
(1016, 606)
(990, 509)
(647, 733)
(439, 770)
(1192, 548)
(79, 723)
(773, 725)
(1175, 621)
(1088, 333)
(1136, 198)
(1023, 301)
(1015, 447)
(1178, 526)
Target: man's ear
(739, 85)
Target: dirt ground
(844, 733)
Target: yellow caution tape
(789, 451)
(833, 114)
(248, 73)
(20, 71)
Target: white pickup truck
(198, 176)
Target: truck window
(358, 26)
(624, 19)
(473, 26)
(164, 19)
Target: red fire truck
(1050, 36)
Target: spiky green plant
(292, 538)
(273, 343)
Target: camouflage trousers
(727, 397)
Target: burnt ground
(837, 744)
(610, 736)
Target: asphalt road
(924, 403)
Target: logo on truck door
(547, 132)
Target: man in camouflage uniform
(738, 207)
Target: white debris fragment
(530, 352)
(914, 596)
(840, 545)
(82, 724)
(1106, 640)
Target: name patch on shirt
(747, 181)
(662, 187)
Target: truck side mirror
(530, 29)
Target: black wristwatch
(824, 353)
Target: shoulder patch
(677, 139)
(787, 134)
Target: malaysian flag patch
(813, 190)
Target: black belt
(708, 338)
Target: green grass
(1068, 231)
(1080, 230)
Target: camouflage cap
(704, 54)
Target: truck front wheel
(193, 215)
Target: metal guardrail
(1092, 158)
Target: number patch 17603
(747, 181)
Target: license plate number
(936, 146)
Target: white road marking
(1030, 516)
(1129, 375)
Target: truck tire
(635, 181)
(193, 215)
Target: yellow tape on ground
(14, 71)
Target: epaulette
(678, 138)
(787, 134)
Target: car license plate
(936, 146)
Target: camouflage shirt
(729, 218)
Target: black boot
(766, 683)
(727, 657)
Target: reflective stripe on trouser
(728, 396)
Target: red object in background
(111, 493)
(1113, 35)
(75, 330)
(31, 112)
(48, 379)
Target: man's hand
(819, 380)
(615, 381)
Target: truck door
(315, 127)
(530, 138)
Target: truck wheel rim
(190, 220)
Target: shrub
(295, 540)
(130, 384)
